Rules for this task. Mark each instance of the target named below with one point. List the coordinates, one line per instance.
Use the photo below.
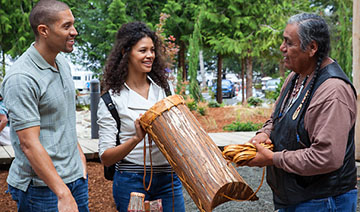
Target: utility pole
(356, 71)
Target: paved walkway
(90, 146)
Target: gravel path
(253, 178)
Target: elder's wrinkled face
(295, 58)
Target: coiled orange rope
(240, 154)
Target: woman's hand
(140, 132)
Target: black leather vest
(290, 189)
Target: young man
(49, 169)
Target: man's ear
(43, 30)
(313, 48)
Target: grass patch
(243, 126)
(245, 114)
(210, 123)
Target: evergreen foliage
(232, 30)
(15, 32)
(194, 63)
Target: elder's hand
(260, 138)
(264, 157)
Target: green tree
(229, 29)
(194, 62)
(181, 25)
(99, 24)
(15, 31)
(341, 31)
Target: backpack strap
(167, 91)
(111, 107)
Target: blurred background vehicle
(271, 84)
(82, 80)
(228, 88)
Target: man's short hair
(45, 12)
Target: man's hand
(67, 203)
(264, 157)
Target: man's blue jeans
(342, 203)
(126, 182)
(38, 199)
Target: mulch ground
(100, 190)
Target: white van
(82, 79)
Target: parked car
(271, 85)
(228, 88)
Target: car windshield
(226, 82)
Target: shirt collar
(39, 60)
(151, 82)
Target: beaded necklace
(294, 95)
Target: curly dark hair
(116, 68)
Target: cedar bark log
(196, 159)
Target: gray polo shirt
(36, 94)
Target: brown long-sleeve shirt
(328, 120)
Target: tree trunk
(202, 69)
(282, 68)
(356, 71)
(219, 75)
(243, 62)
(181, 63)
(249, 77)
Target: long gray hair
(312, 28)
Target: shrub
(271, 95)
(202, 108)
(211, 93)
(191, 103)
(241, 126)
(80, 107)
(213, 104)
(254, 101)
(258, 86)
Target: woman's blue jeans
(342, 203)
(161, 188)
(38, 199)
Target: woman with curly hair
(136, 79)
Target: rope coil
(240, 154)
